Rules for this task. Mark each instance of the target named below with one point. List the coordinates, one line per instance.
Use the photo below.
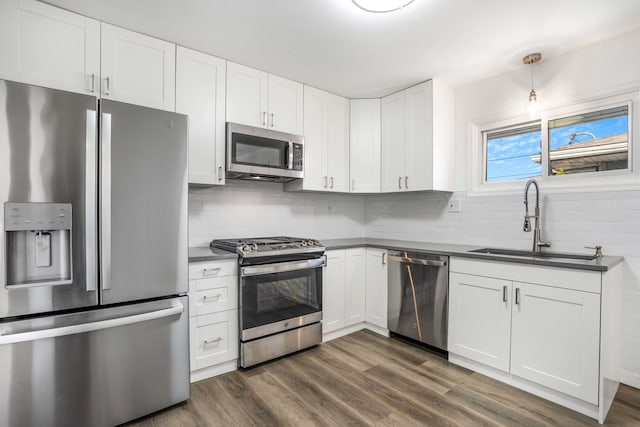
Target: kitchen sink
(531, 254)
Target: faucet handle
(598, 249)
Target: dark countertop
(602, 264)
(206, 253)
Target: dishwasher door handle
(407, 260)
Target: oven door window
(256, 151)
(270, 298)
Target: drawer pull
(210, 270)
(215, 341)
(206, 297)
(504, 293)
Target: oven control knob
(249, 248)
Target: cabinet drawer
(205, 270)
(213, 295)
(214, 339)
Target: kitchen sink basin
(531, 254)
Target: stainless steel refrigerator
(93, 259)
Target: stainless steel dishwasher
(418, 297)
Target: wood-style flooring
(365, 379)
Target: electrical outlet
(454, 206)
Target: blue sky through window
(510, 157)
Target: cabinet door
(556, 339)
(137, 69)
(213, 339)
(355, 286)
(247, 90)
(333, 284)
(418, 154)
(315, 120)
(364, 145)
(393, 137)
(200, 93)
(376, 287)
(337, 153)
(285, 105)
(480, 319)
(47, 46)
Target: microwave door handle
(290, 156)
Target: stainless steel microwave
(263, 154)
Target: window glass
(513, 153)
(591, 142)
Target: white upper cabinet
(137, 69)
(285, 105)
(364, 145)
(393, 142)
(326, 143)
(47, 46)
(247, 90)
(256, 98)
(200, 94)
(417, 139)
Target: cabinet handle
(406, 182)
(210, 270)
(399, 183)
(384, 258)
(215, 341)
(107, 91)
(206, 297)
(504, 293)
(517, 296)
(264, 118)
(273, 119)
(353, 185)
(326, 260)
(331, 186)
(93, 82)
(219, 173)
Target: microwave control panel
(297, 157)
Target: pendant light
(531, 59)
(382, 6)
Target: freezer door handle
(89, 327)
(105, 201)
(90, 203)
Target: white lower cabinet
(376, 294)
(354, 292)
(480, 319)
(213, 321)
(543, 329)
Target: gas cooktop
(268, 246)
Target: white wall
(570, 220)
(253, 209)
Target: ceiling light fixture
(382, 6)
(531, 59)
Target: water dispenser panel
(38, 244)
(37, 216)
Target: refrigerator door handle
(89, 327)
(105, 201)
(90, 203)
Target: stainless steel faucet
(538, 244)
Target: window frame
(619, 179)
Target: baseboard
(562, 399)
(630, 378)
(354, 328)
(212, 371)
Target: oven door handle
(280, 267)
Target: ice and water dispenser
(38, 244)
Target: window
(592, 141)
(509, 153)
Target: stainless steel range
(280, 280)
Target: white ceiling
(333, 45)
